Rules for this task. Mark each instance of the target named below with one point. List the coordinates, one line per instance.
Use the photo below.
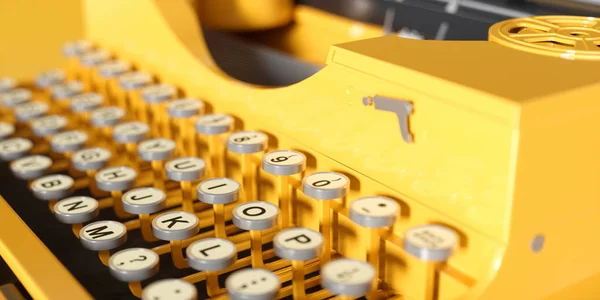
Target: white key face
(375, 207)
(326, 181)
(107, 115)
(253, 282)
(15, 97)
(52, 183)
(103, 231)
(348, 272)
(69, 138)
(48, 124)
(256, 210)
(285, 158)
(212, 249)
(431, 237)
(76, 48)
(94, 58)
(113, 68)
(91, 155)
(135, 79)
(185, 168)
(158, 92)
(130, 131)
(214, 124)
(134, 259)
(219, 186)
(299, 239)
(185, 107)
(6, 130)
(157, 145)
(86, 102)
(66, 90)
(176, 221)
(50, 77)
(170, 289)
(144, 196)
(15, 146)
(7, 83)
(31, 110)
(116, 174)
(248, 138)
(76, 205)
(31, 163)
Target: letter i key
(218, 192)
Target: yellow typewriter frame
(502, 151)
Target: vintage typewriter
(272, 149)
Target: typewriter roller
(402, 170)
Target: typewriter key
(158, 93)
(255, 216)
(49, 78)
(245, 143)
(252, 284)
(174, 227)
(66, 90)
(31, 167)
(325, 186)
(298, 245)
(115, 180)
(131, 133)
(155, 96)
(185, 170)
(75, 211)
(30, 110)
(211, 255)
(76, 48)
(7, 84)
(102, 236)
(170, 289)
(113, 68)
(68, 141)
(130, 83)
(89, 161)
(283, 163)
(434, 243)
(347, 277)
(181, 111)
(143, 202)
(14, 148)
(15, 97)
(218, 192)
(156, 151)
(48, 125)
(213, 125)
(94, 58)
(134, 264)
(107, 116)
(6, 130)
(52, 187)
(86, 102)
(134, 80)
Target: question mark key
(134, 264)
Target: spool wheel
(568, 37)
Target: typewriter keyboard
(188, 180)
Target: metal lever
(402, 108)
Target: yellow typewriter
(273, 149)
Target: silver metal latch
(402, 108)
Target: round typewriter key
(211, 254)
(6, 130)
(30, 110)
(213, 124)
(434, 243)
(90, 159)
(255, 215)
(76, 48)
(115, 178)
(68, 141)
(31, 167)
(298, 244)
(134, 264)
(185, 169)
(374, 212)
(184, 108)
(113, 68)
(66, 90)
(347, 277)
(49, 78)
(7, 84)
(103, 235)
(247, 142)
(156, 149)
(48, 125)
(76, 210)
(107, 116)
(170, 289)
(130, 132)
(145, 200)
(86, 102)
(158, 93)
(325, 185)
(52, 187)
(94, 58)
(218, 191)
(15, 97)
(177, 225)
(134, 80)
(252, 284)
(14, 148)
(284, 162)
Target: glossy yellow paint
(243, 15)
(502, 149)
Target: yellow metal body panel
(502, 151)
